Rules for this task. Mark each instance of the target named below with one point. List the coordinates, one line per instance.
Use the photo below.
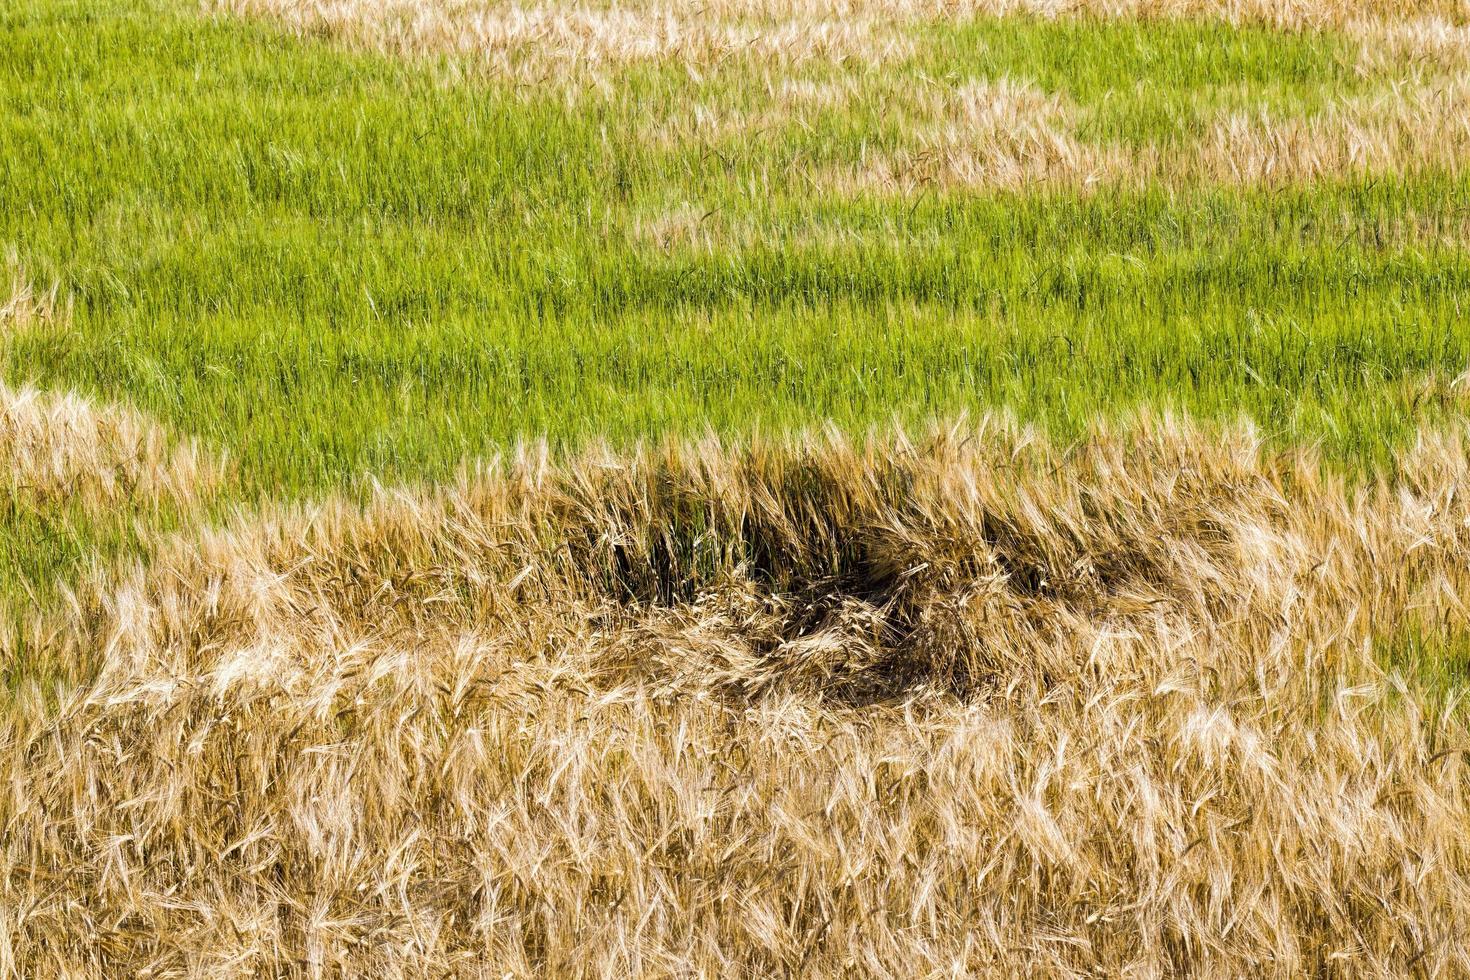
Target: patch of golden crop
(1002, 133)
(537, 42)
(1010, 135)
(62, 449)
(686, 228)
(28, 306)
(1398, 46)
(971, 703)
(534, 39)
(1401, 129)
(1280, 14)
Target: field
(766, 487)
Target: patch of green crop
(1433, 662)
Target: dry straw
(965, 704)
(529, 39)
(538, 42)
(1007, 133)
(28, 306)
(64, 450)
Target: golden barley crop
(653, 28)
(28, 305)
(1003, 133)
(966, 704)
(62, 449)
(1006, 134)
(537, 42)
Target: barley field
(749, 488)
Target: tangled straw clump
(972, 703)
